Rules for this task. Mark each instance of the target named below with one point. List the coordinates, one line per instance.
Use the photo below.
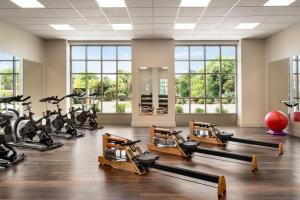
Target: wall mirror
(294, 93)
(153, 90)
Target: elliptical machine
(64, 121)
(34, 134)
(87, 117)
(8, 155)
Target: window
(105, 70)
(9, 75)
(163, 86)
(205, 79)
(296, 80)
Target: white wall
(56, 69)
(33, 85)
(152, 53)
(252, 84)
(18, 42)
(283, 44)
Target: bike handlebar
(18, 98)
(24, 99)
(71, 95)
(47, 99)
(94, 94)
(79, 95)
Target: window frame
(14, 73)
(190, 98)
(101, 74)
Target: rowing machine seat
(190, 144)
(225, 136)
(147, 158)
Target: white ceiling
(151, 19)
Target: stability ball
(276, 121)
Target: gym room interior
(149, 99)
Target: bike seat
(190, 144)
(147, 158)
(26, 103)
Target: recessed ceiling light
(246, 25)
(111, 3)
(279, 2)
(164, 67)
(184, 26)
(194, 3)
(122, 27)
(28, 3)
(143, 68)
(62, 27)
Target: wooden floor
(72, 172)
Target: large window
(205, 79)
(106, 71)
(9, 75)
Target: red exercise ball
(276, 120)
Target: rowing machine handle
(130, 143)
(176, 132)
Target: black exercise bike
(30, 133)
(8, 155)
(10, 111)
(64, 121)
(86, 119)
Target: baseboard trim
(147, 124)
(251, 124)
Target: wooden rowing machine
(171, 142)
(208, 133)
(124, 154)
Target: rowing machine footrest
(224, 137)
(190, 145)
(146, 159)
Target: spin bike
(34, 134)
(64, 121)
(87, 117)
(10, 111)
(8, 155)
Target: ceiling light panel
(28, 3)
(194, 3)
(111, 3)
(184, 26)
(246, 25)
(122, 27)
(279, 2)
(62, 27)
